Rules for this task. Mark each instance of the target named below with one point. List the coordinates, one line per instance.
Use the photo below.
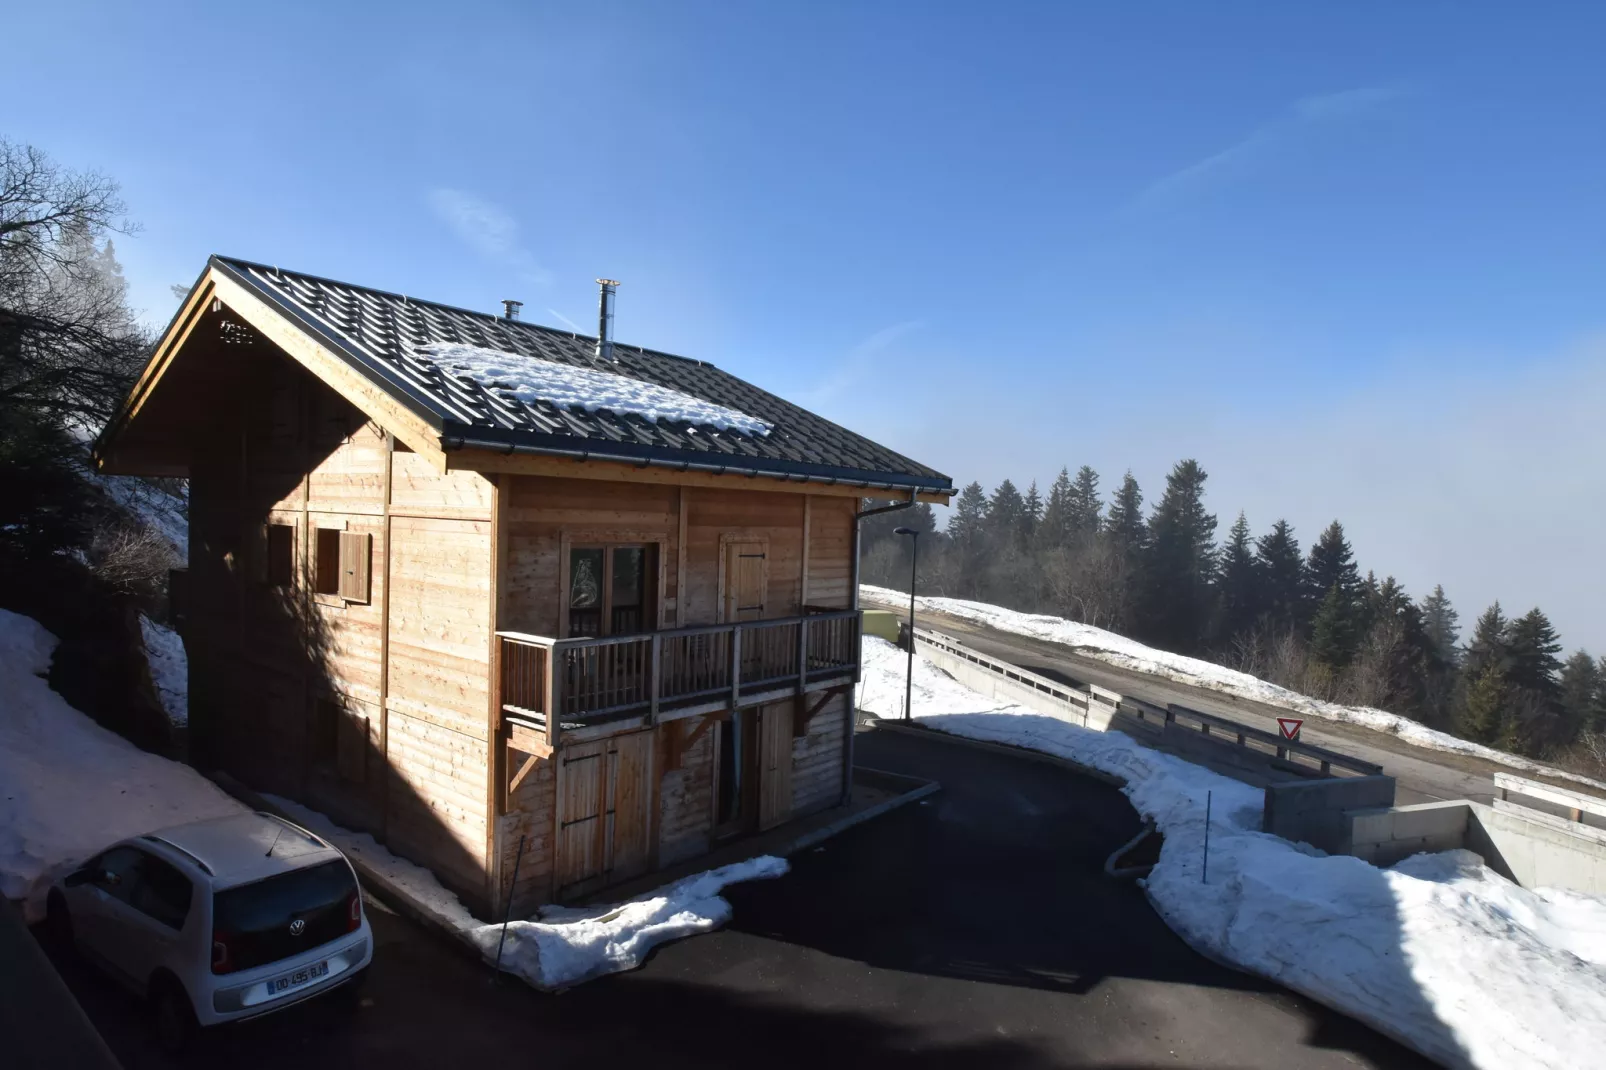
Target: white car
(218, 920)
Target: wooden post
(802, 654)
(656, 676)
(552, 693)
(1576, 813)
(736, 666)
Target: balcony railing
(659, 676)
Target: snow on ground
(1129, 654)
(1439, 951)
(69, 787)
(530, 379)
(164, 652)
(561, 946)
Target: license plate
(300, 977)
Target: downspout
(853, 603)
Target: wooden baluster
(549, 700)
(736, 665)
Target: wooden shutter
(259, 554)
(775, 764)
(356, 553)
(746, 577)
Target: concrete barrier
(1318, 812)
(1385, 835)
(1538, 850)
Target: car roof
(246, 847)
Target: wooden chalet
(457, 579)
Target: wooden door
(604, 812)
(746, 577)
(775, 764)
(582, 776)
(629, 806)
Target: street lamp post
(909, 674)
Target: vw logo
(298, 927)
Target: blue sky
(1348, 256)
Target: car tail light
(353, 911)
(222, 952)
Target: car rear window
(258, 917)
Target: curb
(820, 835)
(920, 731)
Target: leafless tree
(68, 345)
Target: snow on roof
(530, 379)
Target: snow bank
(1439, 951)
(69, 787)
(561, 946)
(1126, 653)
(164, 652)
(530, 379)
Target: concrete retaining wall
(1538, 850)
(996, 686)
(1319, 812)
(1383, 836)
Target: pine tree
(1333, 638)
(967, 533)
(1124, 523)
(1282, 577)
(1488, 647)
(1054, 531)
(1442, 624)
(1006, 512)
(1334, 593)
(1533, 646)
(1032, 514)
(1178, 568)
(1483, 712)
(1238, 583)
(1580, 694)
(1085, 506)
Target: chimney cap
(510, 308)
(607, 282)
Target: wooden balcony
(573, 684)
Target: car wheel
(172, 1015)
(58, 922)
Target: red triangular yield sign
(1290, 727)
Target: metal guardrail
(1576, 803)
(1208, 724)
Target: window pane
(629, 589)
(326, 561)
(258, 916)
(585, 592)
(163, 893)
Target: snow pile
(1127, 653)
(1439, 951)
(530, 379)
(69, 787)
(164, 652)
(561, 946)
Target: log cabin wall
(806, 541)
(310, 693)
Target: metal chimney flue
(605, 318)
(510, 308)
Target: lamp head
(905, 531)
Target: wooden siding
(817, 758)
(686, 801)
(831, 551)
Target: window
(341, 563)
(279, 551)
(257, 916)
(612, 589)
(162, 892)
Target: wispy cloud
(489, 230)
(565, 320)
(1241, 155)
(857, 361)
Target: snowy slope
(1439, 951)
(69, 787)
(530, 379)
(1129, 654)
(561, 946)
(164, 652)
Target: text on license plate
(300, 977)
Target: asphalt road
(1422, 775)
(974, 928)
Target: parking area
(974, 928)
